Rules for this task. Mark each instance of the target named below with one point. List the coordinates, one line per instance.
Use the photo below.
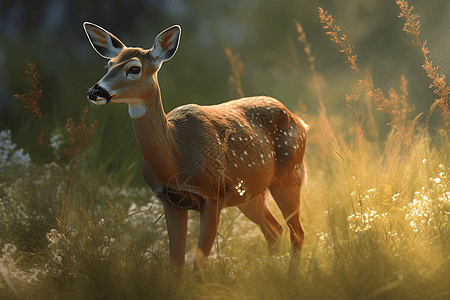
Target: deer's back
(248, 143)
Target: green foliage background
(50, 33)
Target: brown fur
(206, 158)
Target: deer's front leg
(176, 220)
(209, 220)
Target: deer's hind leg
(287, 196)
(258, 212)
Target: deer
(240, 153)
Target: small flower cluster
(7, 263)
(428, 214)
(11, 206)
(56, 143)
(108, 244)
(368, 217)
(325, 242)
(244, 229)
(145, 220)
(59, 246)
(9, 269)
(427, 218)
(367, 224)
(147, 214)
(16, 197)
(107, 192)
(9, 156)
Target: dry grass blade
(439, 85)
(32, 101)
(238, 70)
(79, 138)
(324, 136)
(396, 107)
(318, 80)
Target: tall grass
(376, 212)
(32, 101)
(237, 68)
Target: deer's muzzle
(99, 94)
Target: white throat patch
(136, 111)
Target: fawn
(205, 158)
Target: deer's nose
(97, 92)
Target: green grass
(375, 212)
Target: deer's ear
(103, 42)
(166, 44)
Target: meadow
(375, 207)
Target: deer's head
(132, 72)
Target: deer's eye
(134, 70)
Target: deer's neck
(155, 137)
